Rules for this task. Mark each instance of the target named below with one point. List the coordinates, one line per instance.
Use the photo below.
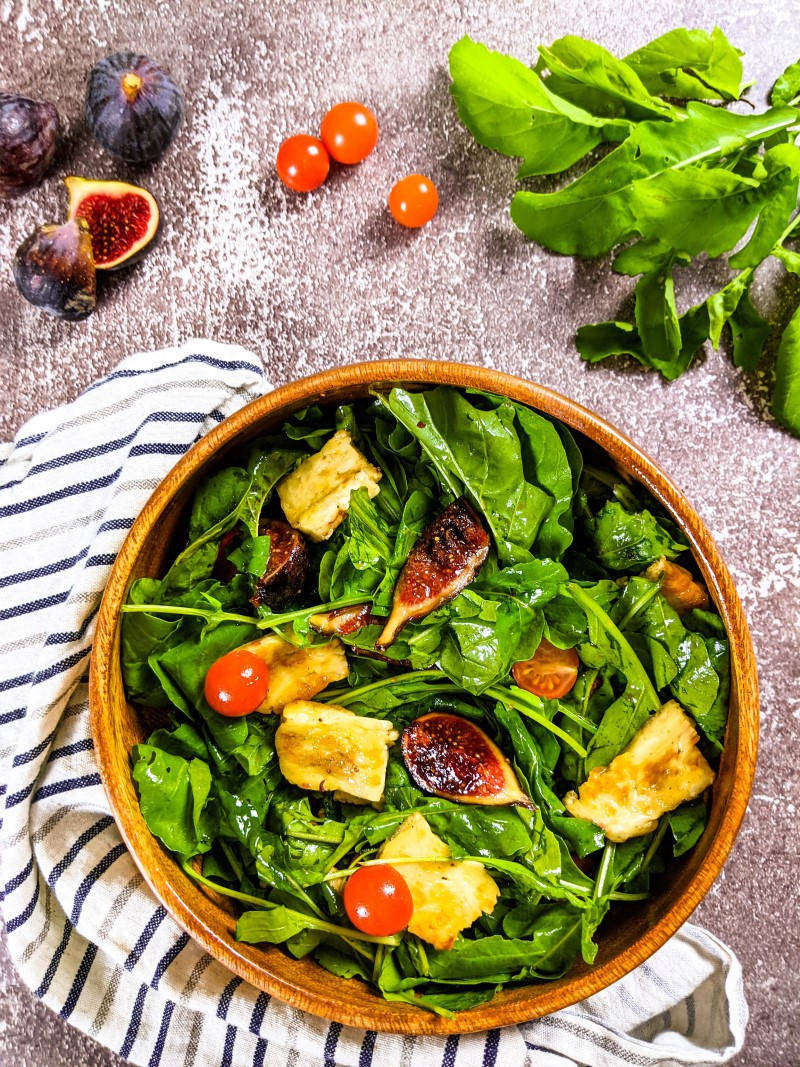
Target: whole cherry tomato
(349, 131)
(303, 163)
(237, 683)
(413, 201)
(378, 901)
(550, 673)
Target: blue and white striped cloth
(83, 928)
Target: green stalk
(658, 837)
(497, 693)
(267, 905)
(591, 607)
(265, 622)
(639, 604)
(346, 696)
(603, 870)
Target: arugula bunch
(569, 540)
(685, 178)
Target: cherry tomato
(413, 201)
(378, 901)
(237, 683)
(550, 673)
(303, 163)
(349, 131)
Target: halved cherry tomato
(237, 683)
(550, 673)
(378, 901)
(413, 201)
(349, 131)
(303, 163)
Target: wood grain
(629, 937)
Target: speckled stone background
(309, 282)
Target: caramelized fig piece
(453, 758)
(448, 554)
(680, 590)
(287, 567)
(344, 621)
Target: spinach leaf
(687, 824)
(477, 453)
(786, 394)
(173, 796)
(625, 540)
(786, 89)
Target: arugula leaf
(651, 182)
(786, 394)
(782, 162)
(173, 794)
(657, 321)
(586, 74)
(786, 89)
(687, 824)
(506, 106)
(691, 65)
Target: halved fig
(123, 219)
(448, 554)
(287, 567)
(453, 758)
(344, 621)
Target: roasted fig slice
(448, 554)
(453, 758)
(123, 219)
(680, 590)
(344, 621)
(287, 567)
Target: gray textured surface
(309, 282)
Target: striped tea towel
(83, 928)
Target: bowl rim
(544, 999)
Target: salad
(434, 688)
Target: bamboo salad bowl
(628, 938)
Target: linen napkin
(83, 929)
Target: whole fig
(28, 134)
(54, 269)
(133, 107)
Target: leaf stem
(501, 694)
(264, 622)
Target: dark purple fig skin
(54, 270)
(287, 568)
(136, 126)
(28, 135)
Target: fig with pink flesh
(54, 269)
(28, 135)
(453, 758)
(123, 219)
(445, 559)
(343, 621)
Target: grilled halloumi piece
(316, 495)
(298, 673)
(325, 747)
(660, 769)
(448, 895)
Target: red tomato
(349, 131)
(303, 163)
(413, 201)
(551, 672)
(378, 901)
(237, 683)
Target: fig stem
(131, 85)
(496, 693)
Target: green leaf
(547, 465)
(599, 340)
(634, 189)
(687, 824)
(507, 107)
(691, 65)
(786, 391)
(749, 331)
(657, 320)
(590, 76)
(783, 163)
(625, 540)
(477, 453)
(786, 89)
(173, 793)
(643, 257)
(721, 305)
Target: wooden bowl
(628, 936)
